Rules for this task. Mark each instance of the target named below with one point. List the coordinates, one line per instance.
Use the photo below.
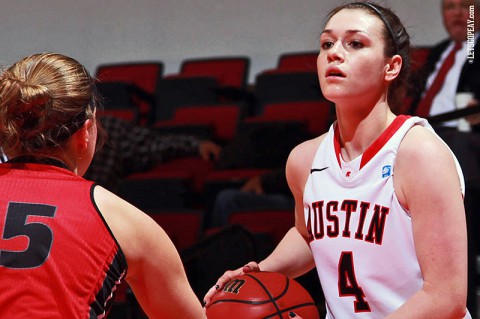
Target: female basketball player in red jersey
(65, 242)
(379, 206)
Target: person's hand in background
(209, 150)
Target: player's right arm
(292, 256)
(155, 271)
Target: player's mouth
(334, 72)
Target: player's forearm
(423, 304)
(292, 256)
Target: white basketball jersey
(360, 236)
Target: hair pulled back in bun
(44, 99)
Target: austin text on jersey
(335, 218)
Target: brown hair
(44, 99)
(397, 41)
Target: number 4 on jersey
(347, 282)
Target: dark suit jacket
(469, 77)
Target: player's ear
(393, 67)
(82, 137)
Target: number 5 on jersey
(40, 236)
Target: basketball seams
(283, 293)
(309, 304)
(272, 298)
(249, 302)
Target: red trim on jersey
(337, 143)
(376, 145)
(383, 139)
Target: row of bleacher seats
(141, 92)
(211, 97)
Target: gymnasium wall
(100, 31)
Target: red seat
(418, 57)
(183, 227)
(143, 77)
(192, 167)
(223, 119)
(157, 190)
(175, 91)
(286, 86)
(315, 114)
(229, 71)
(302, 61)
(298, 61)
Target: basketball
(261, 295)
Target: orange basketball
(261, 295)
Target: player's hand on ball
(227, 276)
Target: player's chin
(335, 93)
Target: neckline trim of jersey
(376, 145)
(38, 160)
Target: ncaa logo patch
(386, 171)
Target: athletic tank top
(360, 236)
(58, 258)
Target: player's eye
(326, 45)
(355, 44)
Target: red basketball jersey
(58, 258)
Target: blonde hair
(44, 99)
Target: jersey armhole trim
(120, 250)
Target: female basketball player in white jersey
(379, 203)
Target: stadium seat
(274, 223)
(305, 61)
(316, 115)
(223, 120)
(157, 190)
(280, 86)
(139, 82)
(229, 71)
(173, 92)
(184, 227)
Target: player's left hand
(227, 276)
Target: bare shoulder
(127, 223)
(300, 161)
(303, 153)
(420, 146)
(115, 209)
(425, 167)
